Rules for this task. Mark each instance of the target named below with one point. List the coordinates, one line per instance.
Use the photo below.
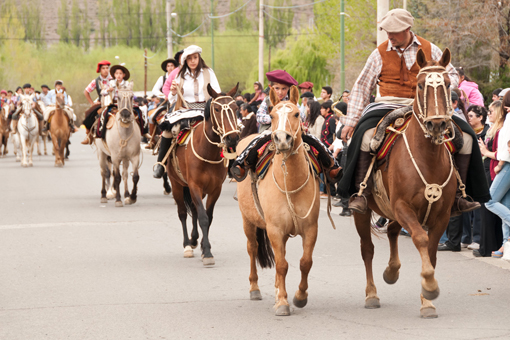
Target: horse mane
(207, 110)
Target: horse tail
(59, 142)
(265, 255)
(188, 202)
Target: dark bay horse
(420, 183)
(59, 130)
(202, 170)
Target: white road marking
(72, 224)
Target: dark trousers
(472, 222)
(454, 231)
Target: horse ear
(294, 95)
(273, 97)
(232, 92)
(446, 58)
(421, 60)
(211, 91)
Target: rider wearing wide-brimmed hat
(27, 90)
(167, 66)
(393, 67)
(191, 82)
(102, 81)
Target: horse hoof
(45, 153)
(430, 295)
(24, 165)
(104, 200)
(194, 246)
(428, 313)
(283, 310)
(30, 164)
(299, 303)
(389, 280)
(127, 201)
(255, 295)
(208, 261)
(119, 204)
(166, 193)
(372, 303)
(188, 252)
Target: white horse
(121, 145)
(28, 130)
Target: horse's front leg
(391, 272)
(194, 231)
(36, 141)
(125, 177)
(203, 220)
(182, 211)
(116, 182)
(166, 185)
(362, 222)
(136, 178)
(309, 239)
(278, 242)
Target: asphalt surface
(72, 268)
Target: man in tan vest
(393, 67)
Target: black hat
(45, 86)
(169, 60)
(27, 86)
(307, 95)
(455, 96)
(120, 67)
(342, 106)
(177, 57)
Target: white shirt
(504, 137)
(189, 88)
(113, 84)
(156, 90)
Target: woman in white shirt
(192, 82)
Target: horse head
(432, 105)
(60, 100)
(222, 113)
(26, 104)
(125, 104)
(285, 120)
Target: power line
(226, 15)
(295, 6)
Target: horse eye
(296, 115)
(420, 86)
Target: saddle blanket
(183, 136)
(173, 117)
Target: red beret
(101, 63)
(281, 77)
(306, 85)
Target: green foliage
(189, 17)
(277, 23)
(63, 22)
(75, 23)
(238, 21)
(32, 22)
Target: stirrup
(352, 198)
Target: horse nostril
(443, 126)
(429, 126)
(289, 138)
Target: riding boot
(165, 144)
(88, 138)
(358, 203)
(460, 204)
(150, 145)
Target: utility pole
(261, 42)
(342, 45)
(383, 7)
(145, 67)
(169, 46)
(212, 34)
(404, 5)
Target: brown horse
(203, 170)
(59, 130)
(4, 129)
(416, 160)
(289, 203)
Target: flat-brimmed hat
(455, 96)
(307, 95)
(169, 60)
(27, 86)
(45, 86)
(306, 85)
(120, 67)
(189, 51)
(101, 63)
(396, 20)
(281, 77)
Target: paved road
(72, 268)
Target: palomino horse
(28, 130)
(59, 130)
(4, 130)
(416, 206)
(121, 144)
(288, 190)
(200, 170)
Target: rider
(51, 98)
(393, 67)
(44, 94)
(103, 67)
(26, 89)
(191, 81)
(168, 82)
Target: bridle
(226, 111)
(125, 103)
(283, 120)
(435, 80)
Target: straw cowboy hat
(120, 67)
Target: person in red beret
(103, 68)
(305, 99)
(280, 81)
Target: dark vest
(395, 79)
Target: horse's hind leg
(182, 211)
(362, 222)
(309, 239)
(116, 184)
(252, 246)
(391, 272)
(194, 231)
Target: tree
(75, 23)
(86, 27)
(238, 21)
(189, 17)
(63, 22)
(277, 25)
(32, 22)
